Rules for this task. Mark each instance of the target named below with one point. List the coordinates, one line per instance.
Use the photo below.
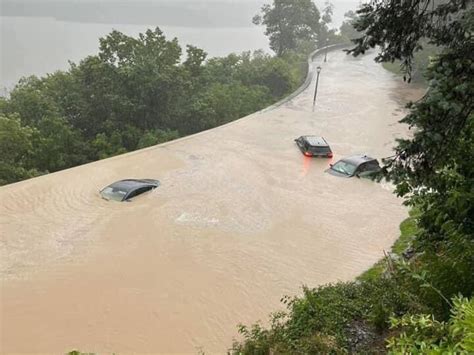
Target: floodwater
(241, 219)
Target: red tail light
(329, 155)
(308, 154)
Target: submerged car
(124, 190)
(313, 146)
(357, 165)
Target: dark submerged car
(124, 190)
(357, 165)
(313, 146)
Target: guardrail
(304, 86)
(309, 75)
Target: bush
(421, 333)
(333, 318)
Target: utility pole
(318, 70)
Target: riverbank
(352, 316)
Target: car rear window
(320, 149)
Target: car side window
(362, 168)
(139, 191)
(373, 166)
(132, 194)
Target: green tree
(288, 23)
(277, 74)
(433, 168)
(195, 60)
(15, 147)
(30, 100)
(326, 34)
(135, 93)
(347, 30)
(154, 137)
(56, 146)
(149, 75)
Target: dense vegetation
(138, 92)
(135, 93)
(421, 61)
(293, 24)
(419, 299)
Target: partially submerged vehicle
(125, 190)
(356, 165)
(314, 146)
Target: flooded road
(241, 218)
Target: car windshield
(344, 167)
(111, 193)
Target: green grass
(408, 229)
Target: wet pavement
(241, 218)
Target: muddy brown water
(241, 219)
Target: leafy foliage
(423, 334)
(15, 145)
(432, 169)
(328, 319)
(347, 29)
(421, 61)
(289, 23)
(135, 93)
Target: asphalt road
(241, 218)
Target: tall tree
(434, 168)
(288, 23)
(347, 30)
(326, 19)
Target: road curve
(241, 218)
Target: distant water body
(40, 45)
(38, 38)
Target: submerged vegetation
(419, 298)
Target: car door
(365, 170)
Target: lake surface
(40, 45)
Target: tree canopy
(433, 169)
(135, 93)
(347, 30)
(289, 23)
